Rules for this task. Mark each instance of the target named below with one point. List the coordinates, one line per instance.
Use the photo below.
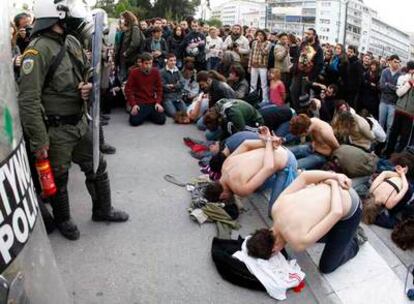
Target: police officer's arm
(35, 65)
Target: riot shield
(27, 265)
(96, 91)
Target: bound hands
(266, 135)
(343, 181)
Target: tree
(215, 22)
(175, 9)
(108, 6)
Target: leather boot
(61, 210)
(107, 149)
(102, 210)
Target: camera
(28, 31)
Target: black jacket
(219, 90)
(353, 78)
(164, 50)
(194, 37)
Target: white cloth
(276, 274)
(378, 131)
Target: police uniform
(52, 116)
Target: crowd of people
(278, 111)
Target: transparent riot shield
(28, 269)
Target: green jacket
(61, 95)
(238, 115)
(132, 44)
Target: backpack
(354, 161)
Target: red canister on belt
(47, 181)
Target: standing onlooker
(353, 78)
(16, 55)
(174, 42)
(338, 66)
(157, 47)
(132, 43)
(143, 92)
(282, 58)
(277, 88)
(22, 23)
(307, 67)
(214, 49)
(388, 86)
(404, 112)
(194, 45)
(369, 94)
(173, 84)
(259, 56)
(143, 26)
(238, 43)
(184, 27)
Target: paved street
(160, 255)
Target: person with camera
(238, 43)
(22, 23)
(214, 49)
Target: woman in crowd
(337, 66)
(132, 43)
(277, 88)
(370, 92)
(174, 42)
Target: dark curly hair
(260, 244)
(404, 159)
(213, 191)
(403, 234)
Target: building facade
(349, 22)
(241, 12)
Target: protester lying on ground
(353, 129)
(379, 133)
(229, 116)
(315, 154)
(143, 91)
(318, 206)
(249, 167)
(390, 190)
(277, 119)
(197, 109)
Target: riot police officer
(52, 100)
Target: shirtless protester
(250, 165)
(315, 154)
(318, 206)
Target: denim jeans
(307, 158)
(212, 63)
(213, 135)
(341, 244)
(386, 116)
(283, 131)
(200, 124)
(171, 107)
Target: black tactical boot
(102, 210)
(61, 210)
(107, 149)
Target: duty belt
(59, 120)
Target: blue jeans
(171, 107)
(147, 112)
(212, 63)
(386, 116)
(307, 158)
(213, 135)
(341, 244)
(283, 131)
(200, 124)
(283, 178)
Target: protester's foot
(69, 230)
(107, 149)
(113, 215)
(361, 236)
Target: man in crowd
(143, 92)
(22, 23)
(193, 45)
(315, 154)
(173, 83)
(238, 43)
(237, 81)
(52, 97)
(353, 79)
(282, 58)
(388, 87)
(157, 47)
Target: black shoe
(107, 149)
(113, 215)
(105, 117)
(69, 230)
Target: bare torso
(239, 169)
(384, 191)
(297, 213)
(321, 129)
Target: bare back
(297, 213)
(323, 137)
(239, 169)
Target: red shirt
(277, 91)
(142, 88)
